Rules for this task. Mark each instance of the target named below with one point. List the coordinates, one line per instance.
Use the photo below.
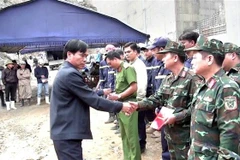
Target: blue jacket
(103, 74)
(38, 71)
(111, 78)
(71, 99)
(187, 63)
(106, 76)
(149, 65)
(158, 74)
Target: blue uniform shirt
(158, 74)
(103, 74)
(106, 76)
(187, 63)
(149, 65)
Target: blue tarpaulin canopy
(48, 24)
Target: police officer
(231, 63)
(215, 123)
(126, 90)
(175, 94)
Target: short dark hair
(217, 57)
(113, 54)
(133, 46)
(119, 51)
(189, 36)
(182, 58)
(73, 46)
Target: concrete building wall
(155, 17)
(232, 13)
(160, 17)
(190, 12)
(232, 23)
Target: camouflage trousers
(178, 151)
(178, 138)
(198, 153)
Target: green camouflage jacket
(215, 118)
(174, 92)
(234, 73)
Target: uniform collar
(212, 81)
(182, 74)
(235, 69)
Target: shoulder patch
(230, 103)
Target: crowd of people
(16, 82)
(196, 79)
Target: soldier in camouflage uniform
(231, 63)
(215, 122)
(176, 92)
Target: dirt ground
(24, 135)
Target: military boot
(22, 103)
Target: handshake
(129, 107)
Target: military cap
(213, 46)
(8, 62)
(173, 47)
(230, 48)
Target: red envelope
(159, 120)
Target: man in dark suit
(70, 101)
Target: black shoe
(22, 103)
(143, 149)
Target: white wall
(232, 13)
(160, 14)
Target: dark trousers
(142, 129)
(68, 149)
(2, 98)
(10, 90)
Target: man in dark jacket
(41, 73)
(70, 101)
(10, 80)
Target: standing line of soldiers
(199, 80)
(205, 99)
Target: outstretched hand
(128, 108)
(107, 91)
(134, 104)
